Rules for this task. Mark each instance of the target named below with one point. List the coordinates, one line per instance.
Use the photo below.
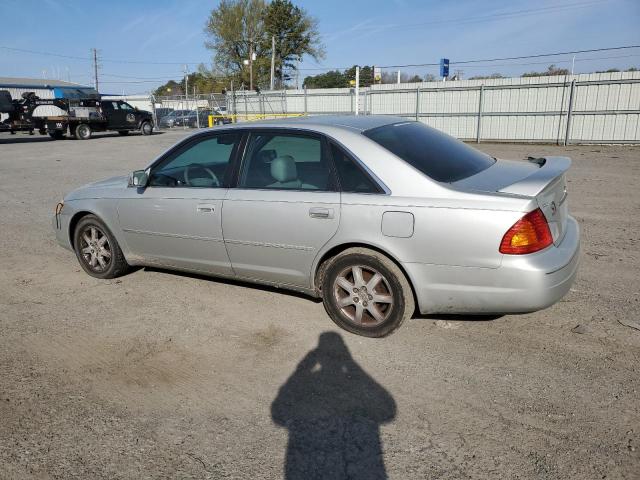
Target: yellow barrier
(249, 117)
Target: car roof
(349, 122)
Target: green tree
(295, 33)
(169, 89)
(337, 79)
(485, 77)
(332, 79)
(234, 29)
(552, 70)
(366, 75)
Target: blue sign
(444, 67)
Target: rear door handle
(204, 208)
(319, 212)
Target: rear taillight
(529, 234)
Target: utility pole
(398, 76)
(573, 64)
(273, 59)
(95, 67)
(250, 64)
(186, 91)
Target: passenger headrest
(283, 169)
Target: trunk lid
(541, 178)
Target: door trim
(173, 235)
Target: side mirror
(138, 179)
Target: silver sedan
(376, 215)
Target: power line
(464, 62)
(548, 54)
(547, 63)
(408, 65)
(88, 58)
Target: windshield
(436, 154)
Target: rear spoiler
(550, 169)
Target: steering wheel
(195, 166)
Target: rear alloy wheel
(146, 128)
(365, 293)
(83, 132)
(97, 249)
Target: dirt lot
(160, 375)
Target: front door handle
(319, 212)
(206, 208)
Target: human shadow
(333, 411)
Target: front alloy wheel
(97, 249)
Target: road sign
(444, 67)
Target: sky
(131, 35)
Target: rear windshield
(436, 154)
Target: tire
(90, 249)
(83, 132)
(146, 128)
(392, 289)
(124, 133)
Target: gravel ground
(164, 375)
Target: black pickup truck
(115, 115)
(77, 117)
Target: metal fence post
(479, 126)
(569, 112)
(305, 101)
(155, 114)
(285, 107)
(417, 104)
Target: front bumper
(523, 283)
(60, 223)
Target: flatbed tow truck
(77, 118)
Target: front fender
(104, 209)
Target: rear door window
(352, 177)
(436, 154)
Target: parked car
(162, 112)
(376, 215)
(170, 120)
(184, 119)
(201, 118)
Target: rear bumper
(523, 283)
